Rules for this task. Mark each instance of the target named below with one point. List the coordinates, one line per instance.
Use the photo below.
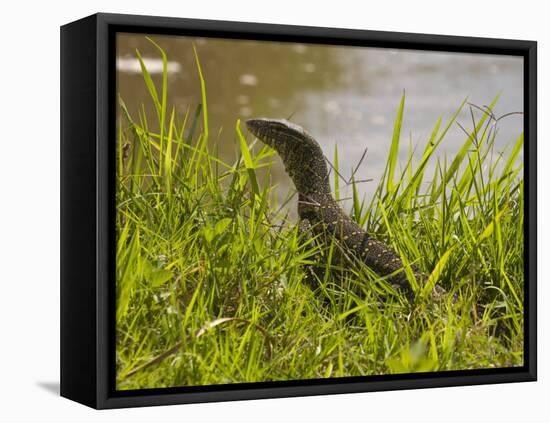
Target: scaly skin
(305, 164)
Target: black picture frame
(87, 208)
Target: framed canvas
(257, 211)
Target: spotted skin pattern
(318, 211)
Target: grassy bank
(210, 273)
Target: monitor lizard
(318, 211)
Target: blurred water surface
(341, 95)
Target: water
(343, 95)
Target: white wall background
(29, 210)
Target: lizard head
(300, 152)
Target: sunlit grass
(210, 275)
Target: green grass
(210, 272)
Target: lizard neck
(307, 168)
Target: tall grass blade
(394, 147)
